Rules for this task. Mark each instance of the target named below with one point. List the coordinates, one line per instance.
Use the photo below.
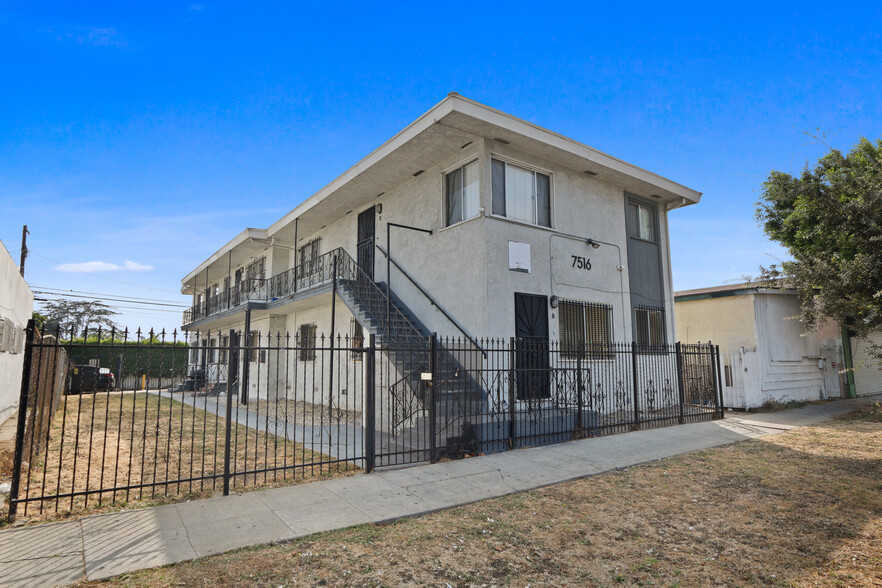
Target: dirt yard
(157, 450)
(803, 508)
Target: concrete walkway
(106, 545)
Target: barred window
(308, 256)
(649, 324)
(253, 342)
(356, 338)
(224, 348)
(256, 270)
(307, 342)
(586, 326)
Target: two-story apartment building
(479, 223)
(522, 219)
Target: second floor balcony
(307, 277)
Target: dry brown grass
(117, 440)
(803, 508)
(305, 413)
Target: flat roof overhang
(440, 133)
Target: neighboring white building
(16, 308)
(532, 235)
(765, 355)
(867, 371)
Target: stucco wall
(16, 304)
(727, 321)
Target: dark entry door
(367, 222)
(531, 358)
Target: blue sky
(145, 137)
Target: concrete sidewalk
(106, 545)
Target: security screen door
(367, 221)
(531, 357)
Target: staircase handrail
(433, 302)
(361, 277)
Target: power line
(138, 298)
(110, 299)
(102, 277)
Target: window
(253, 343)
(642, 222)
(356, 338)
(585, 326)
(256, 270)
(213, 353)
(224, 349)
(728, 372)
(650, 325)
(308, 256)
(521, 194)
(462, 193)
(307, 342)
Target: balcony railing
(305, 276)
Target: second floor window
(521, 194)
(461, 188)
(309, 254)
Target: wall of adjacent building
(16, 308)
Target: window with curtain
(461, 189)
(521, 194)
(585, 329)
(650, 323)
(642, 219)
(309, 254)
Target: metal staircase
(408, 341)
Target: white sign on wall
(519, 256)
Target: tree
(78, 315)
(830, 220)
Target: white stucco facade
(765, 355)
(16, 308)
(465, 267)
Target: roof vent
(420, 172)
(467, 144)
(590, 173)
(503, 141)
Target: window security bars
(650, 327)
(173, 417)
(585, 329)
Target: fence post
(369, 407)
(433, 414)
(232, 364)
(22, 420)
(719, 382)
(635, 379)
(680, 382)
(579, 429)
(512, 383)
(246, 358)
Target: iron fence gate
(125, 417)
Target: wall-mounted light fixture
(554, 301)
(592, 243)
(380, 208)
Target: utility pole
(24, 248)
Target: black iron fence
(220, 410)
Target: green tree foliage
(830, 219)
(75, 316)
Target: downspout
(850, 391)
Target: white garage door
(867, 373)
